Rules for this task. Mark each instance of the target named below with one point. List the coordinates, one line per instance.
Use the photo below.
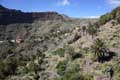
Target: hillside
(52, 46)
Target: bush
(7, 68)
(6, 48)
(92, 29)
(76, 76)
(61, 67)
(60, 52)
(32, 64)
(32, 67)
(73, 73)
(71, 53)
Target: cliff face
(8, 16)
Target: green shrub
(61, 67)
(92, 29)
(6, 48)
(73, 73)
(71, 53)
(69, 50)
(7, 68)
(60, 52)
(76, 76)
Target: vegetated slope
(55, 47)
(110, 27)
(115, 14)
(109, 33)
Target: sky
(72, 8)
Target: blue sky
(73, 8)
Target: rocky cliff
(8, 16)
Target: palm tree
(98, 49)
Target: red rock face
(15, 16)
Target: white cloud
(92, 17)
(64, 2)
(114, 2)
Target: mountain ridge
(16, 16)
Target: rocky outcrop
(8, 16)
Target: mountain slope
(54, 46)
(8, 16)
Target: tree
(98, 48)
(92, 29)
(84, 29)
